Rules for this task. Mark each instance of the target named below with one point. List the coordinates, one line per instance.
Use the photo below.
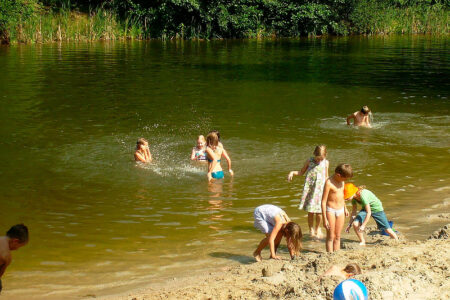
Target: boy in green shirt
(371, 206)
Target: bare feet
(257, 256)
(362, 243)
(319, 233)
(312, 233)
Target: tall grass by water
(68, 25)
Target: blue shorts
(217, 175)
(379, 217)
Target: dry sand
(391, 270)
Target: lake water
(99, 224)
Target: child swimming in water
(333, 206)
(361, 118)
(213, 154)
(199, 152)
(142, 152)
(371, 207)
(274, 223)
(316, 169)
(224, 152)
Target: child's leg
(317, 227)
(392, 233)
(340, 220)
(264, 242)
(330, 232)
(311, 224)
(360, 234)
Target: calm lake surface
(100, 224)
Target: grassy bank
(29, 21)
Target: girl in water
(274, 223)
(142, 152)
(199, 152)
(225, 153)
(213, 153)
(316, 169)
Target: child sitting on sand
(274, 223)
(316, 169)
(142, 152)
(333, 206)
(349, 271)
(371, 206)
(199, 152)
(361, 118)
(16, 237)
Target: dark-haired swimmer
(361, 118)
(16, 237)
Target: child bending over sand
(333, 206)
(371, 207)
(16, 237)
(274, 223)
(316, 169)
(349, 271)
(142, 152)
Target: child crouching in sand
(333, 206)
(349, 271)
(274, 223)
(371, 207)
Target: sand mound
(442, 233)
(391, 270)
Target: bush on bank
(52, 20)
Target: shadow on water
(243, 259)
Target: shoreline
(390, 270)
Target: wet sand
(390, 270)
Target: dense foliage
(111, 19)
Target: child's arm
(149, 155)
(352, 116)
(193, 154)
(139, 157)
(5, 263)
(352, 218)
(301, 172)
(328, 164)
(326, 191)
(366, 220)
(273, 235)
(225, 154)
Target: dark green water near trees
(71, 113)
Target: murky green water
(70, 115)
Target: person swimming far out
(361, 118)
(142, 153)
(199, 152)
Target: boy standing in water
(333, 206)
(361, 118)
(16, 237)
(371, 207)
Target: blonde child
(199, 152)
(214, 152)
(333, 206)
(316, 169)
(274, 223)
(224, 152)
(142, 152)
(371, 207)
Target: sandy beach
(391, 270)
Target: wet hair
(320, 151)
(19, 232)
(352, 269)
(202, 138)
(294, 235)
(345, 170)
(365, 109)
(212, 139)
(216, 132)
(140, 141)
